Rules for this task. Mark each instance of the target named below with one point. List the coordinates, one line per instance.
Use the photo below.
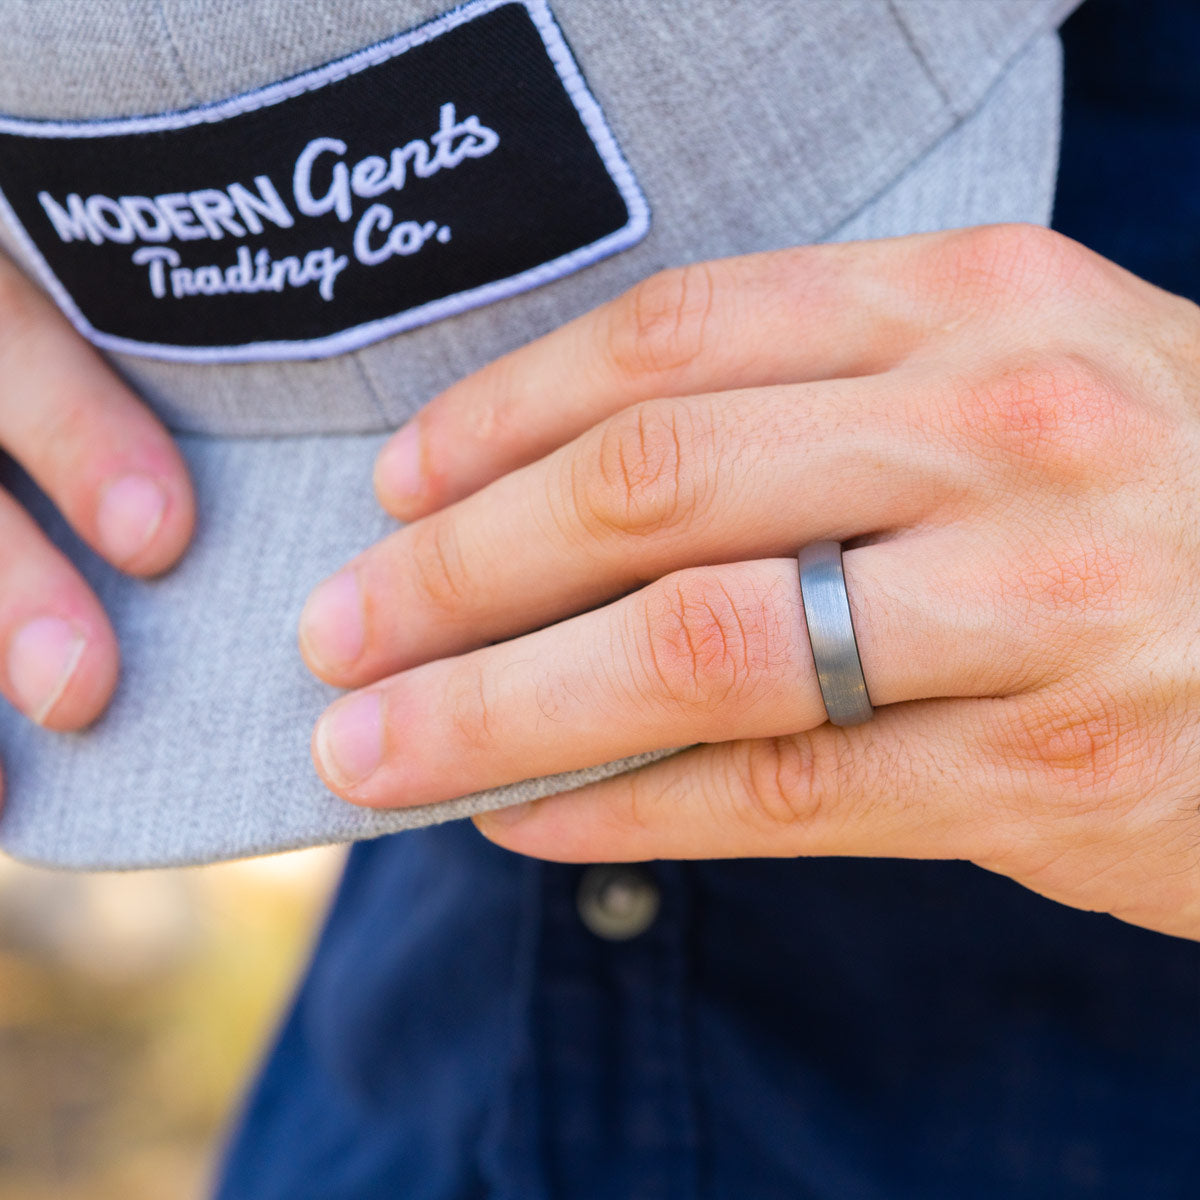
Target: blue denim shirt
(782, 1029)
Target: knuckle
(483, 411)
(1077, 743)
(641, 804)
(1083, 774)
(639, 480)
(660, 325)
(73, 453)
(780, 783)
(991, 264)
(705, 643)
(69, 426)
(1059, 414)
(438, 569)
(472, 711)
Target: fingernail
(350, 739)
(42, 657)
(331, 625)
(131, 510)
(400, 462)
(505, 818)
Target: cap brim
(204, 752)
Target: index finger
(789, 316)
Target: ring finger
(703, 655)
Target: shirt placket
(611, 1052)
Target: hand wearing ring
(601, 561)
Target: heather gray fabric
(749, 126)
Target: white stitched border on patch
(360, 335)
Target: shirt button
(617, 902)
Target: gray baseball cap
(724, 129)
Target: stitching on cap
(920, 56)
(173, 46)
(358, 336)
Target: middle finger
(665, 485)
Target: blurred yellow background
(133, 1009)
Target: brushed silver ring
(831, 634)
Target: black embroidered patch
(455, 165)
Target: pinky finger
(862, 791)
